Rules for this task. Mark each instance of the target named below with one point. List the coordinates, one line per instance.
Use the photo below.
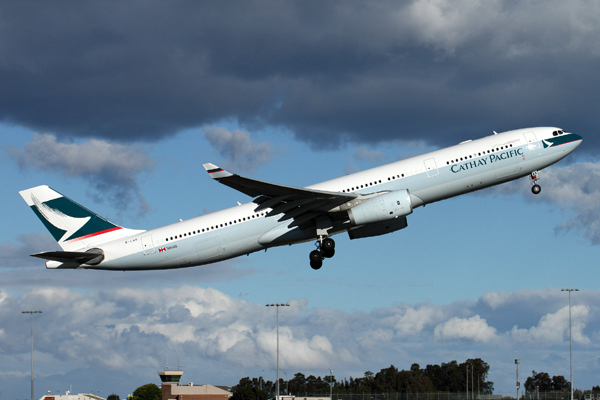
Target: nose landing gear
(325, 249)
(535, 176)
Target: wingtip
(215, 172)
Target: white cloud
(412, 321)
(109, 168)
(216, 336)
(474, 328)
(574, 188)
(554, 327)
(240, 152)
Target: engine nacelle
(378, 228)
(381, 208)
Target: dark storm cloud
(329, 71)
(238, 150)
(109, 168)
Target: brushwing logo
(64, 225)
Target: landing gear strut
(535, 176)
(325, 249)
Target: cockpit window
(556, 133)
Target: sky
(118, 104)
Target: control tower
(167, 377)
(173, 390)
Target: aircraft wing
(299, 204)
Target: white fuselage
(430, 177)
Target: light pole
(31, 315)
(570, 337)
(517, 361)
(467, 381)
(277, 305)
(330, 384)
(472, 391)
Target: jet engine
(384, 207)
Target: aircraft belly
(281, 235)
(209, 246)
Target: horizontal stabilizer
(91, 257)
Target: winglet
(216, 172)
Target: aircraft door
(148, 245)
(431, 168)
(531, 140)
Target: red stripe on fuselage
(576, 140)
(116, 228)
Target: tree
(148, 391)
(560, 384)
(249, 389)
(297, 384)
(449, 377)
(113, 397)
(538, 381)
(248, 393)
(479, 373)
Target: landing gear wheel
(315, 255)
(328, 243)
(316, 259)
(536, 189)
(328, 253)
(328, 247)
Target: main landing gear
(325, 249)
(535, 176)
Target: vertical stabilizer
(72, 225)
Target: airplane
(370, 203)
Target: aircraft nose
(578, 139)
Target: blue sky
(120, 113)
